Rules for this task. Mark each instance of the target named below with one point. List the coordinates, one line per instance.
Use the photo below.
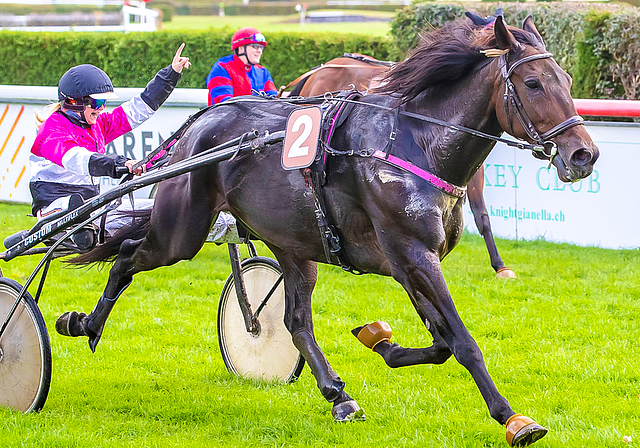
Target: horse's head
(533, 101)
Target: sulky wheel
(25, 352)
(269, 354)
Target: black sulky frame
(111, 199)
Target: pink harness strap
(440, 184)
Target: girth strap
(333, 250)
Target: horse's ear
(504, 39)
(528, 26)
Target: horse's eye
(532, 84)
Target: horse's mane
(445, 55)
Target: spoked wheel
(153, 192)
(269, 354)
(25, 352)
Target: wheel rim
(269, 355)
(22, 359)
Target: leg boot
(71, 324)
(96, 320)
(76, 324)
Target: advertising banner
(524, 198)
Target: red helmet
(247, 35)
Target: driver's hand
(138, 171)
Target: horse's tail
(107, 252)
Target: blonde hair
(42, 115)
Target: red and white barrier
(608, 108)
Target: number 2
(297, 150)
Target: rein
(544, 149)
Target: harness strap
(393, 133)
(566, 124)
(168, 143)
(333, 250)
(368, 59)
(511, 97)
(440, 184)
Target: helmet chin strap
(75, 113)
(244, 48)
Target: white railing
(135, 17)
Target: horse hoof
(505, 272)
(347, 411)
(523, 431)
(69, 324)
(372, 334)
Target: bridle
(511, 100)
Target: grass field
(269, 24)
(561, 342)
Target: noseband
(547, 149)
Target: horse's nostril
(581, 157)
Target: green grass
(561, 343)
(290, 23)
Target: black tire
(270, 355)
(25, 352)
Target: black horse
(390, 221)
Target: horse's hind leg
(299, 280)
(481, 217)
(178, 230)
(120, 277)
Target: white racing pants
(223, 230)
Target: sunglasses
(257, 46)
(96, 104)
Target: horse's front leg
(414, 252)
(417, 268)
(475, 190)
(300, 277)
(397, 356)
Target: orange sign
(301, 138)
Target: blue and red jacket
(230, 77)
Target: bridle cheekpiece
(547, 149)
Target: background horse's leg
(300, 277)
(475, 190)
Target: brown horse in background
(357, 70)
(365, 73)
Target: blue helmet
(85, 80)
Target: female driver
(68, 153)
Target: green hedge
(132, 59)
(598, 44)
